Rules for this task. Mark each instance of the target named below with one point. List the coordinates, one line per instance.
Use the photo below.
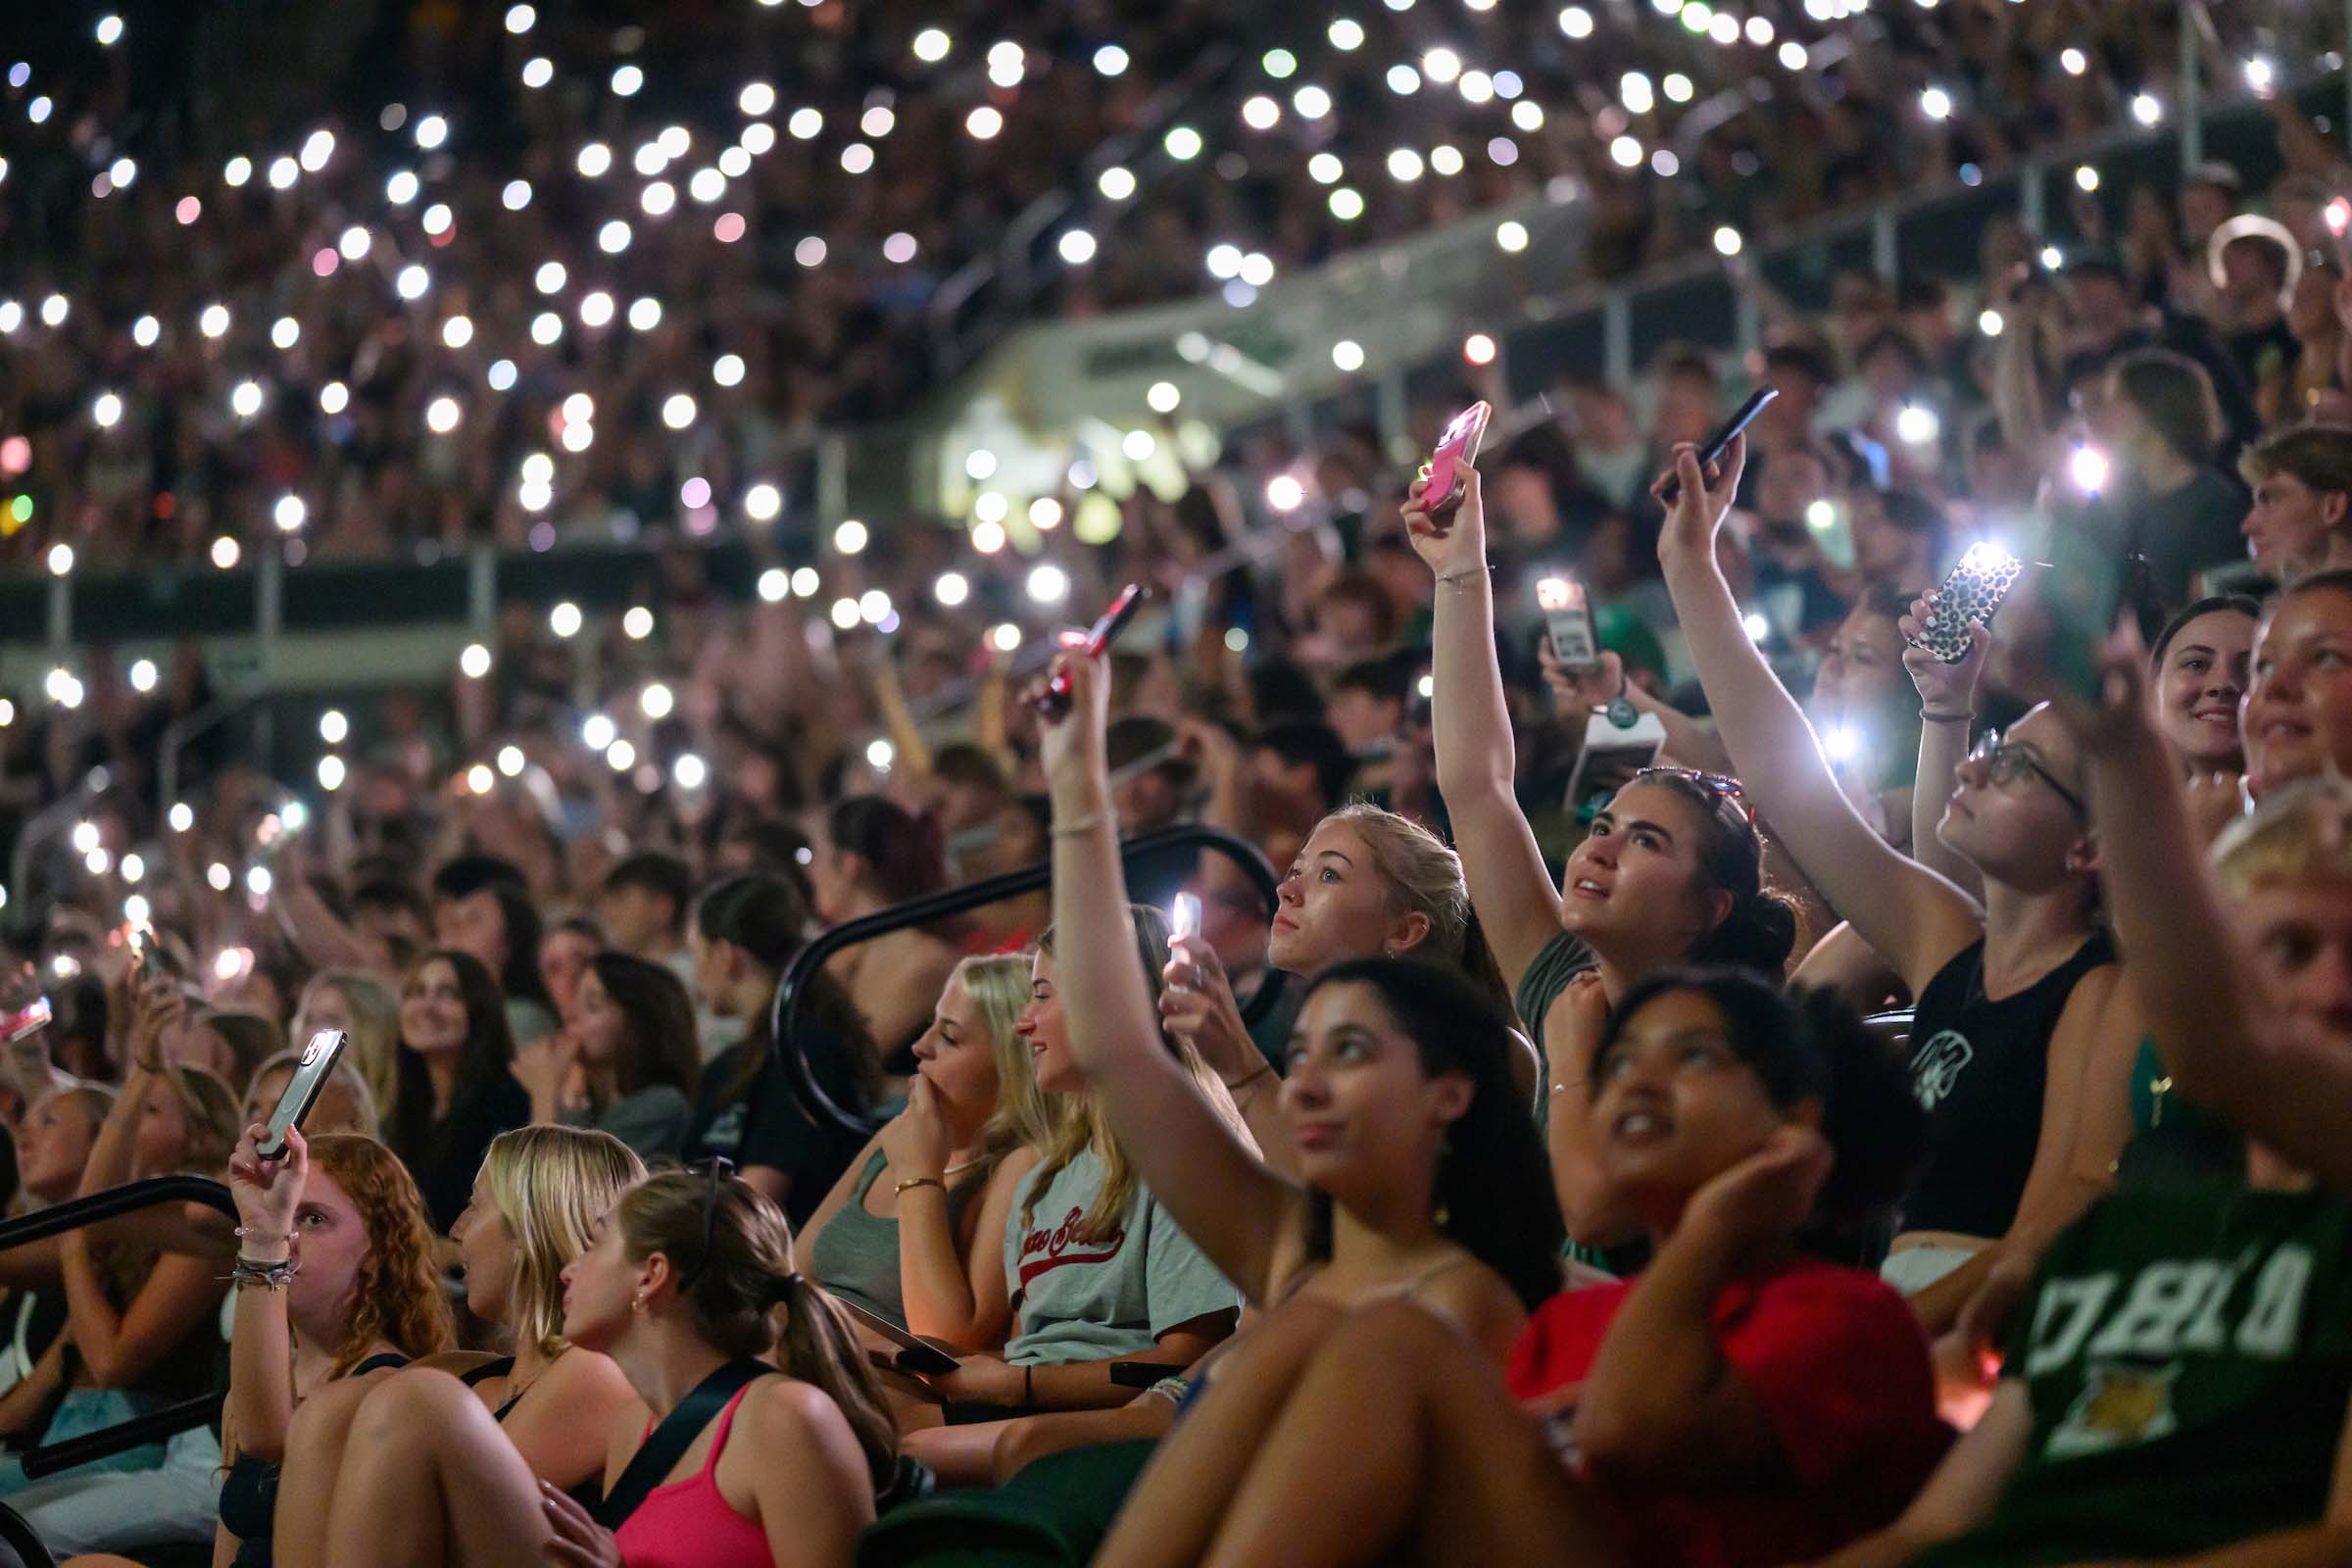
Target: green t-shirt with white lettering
(2188, 1357)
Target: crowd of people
(423, 339)
(1850, 1069)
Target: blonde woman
(1099, 1271)
(913, 1231)
(366, 1009)
(533, 1209)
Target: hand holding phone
(1721, 441)
(1970, 596)
(1455, 449)
(1569, 623)
(1054, 700)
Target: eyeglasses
(718, 1168)
(1721, 786)
(2005, 764)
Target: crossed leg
(429, 1480)
(315, 1447)
(1400, 1441)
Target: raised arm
(1947, 698)
(1513, 893)
(260, 1356)
(1236, 1209)
(1914, 918)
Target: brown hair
(2175, 395)
(2318, 455)
(733, 1284)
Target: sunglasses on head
(1720, 785)
(718, 1168)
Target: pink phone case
(1457, 446)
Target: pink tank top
(688, 1524)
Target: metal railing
(73, 1214)
(832, 1105)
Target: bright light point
(538, 72)
(145, 330)
(1224, 261)
(1116, 183)
(774, 583)
(331, 773)
(333, 726)
(221, 879)
(1348, 355)
(134, 870)
(2146, 109)
(182, 816)
(990, 506)
(613, 238)
(678, 411)
(1626, 152)
(1183, 143)
(2087, 467)
(851, 537)
(289, 514)
(1137, 445)
(620, 757)
(61, 560)
(1047, 584)
(475, 661)
(1794, 56)
(441, 416)
(1110, 60)
(1404, 81)
(110, 28)
(286, 332)
(1577, 23)
(245, 401)
(1045, 514)
(501, 374)
(1916, 424)
(431, 131)
(689, 771)
(1006, 637)
(594, 161)
(845, 614)
(565, 619)
(988, 537)
(931, 46)
(1347, 203)
(596, 309)
(106, 409)
(644, 314)
(1840, 743)
(657, 699)
(2072, 62)
(1261, 113)
(1237, 641)
(1728, 241)
(597, 732)
(873, 607)
(143, 676)
(762, 502)
(879, 755)
(511, 761)
(237, 171)
(805, 124)
(2259, 75)
(283, 173)
(227, 552)
(457, 332)
(1527, 115)
(1677, 87)
(1936, 103)
(1633, 91)
(659, 198)
(213, 322)
(1162, 396)
(2087, 178)
(1479, 349)
(626, 80)
(1404, 164)
(1284, 493)
(980, 464)
(727, 370)
(1077, 247)
(983, 122)
(1346, 34)
(806, 582)
(1280, 64)
(1755, 625)
(1511, 236)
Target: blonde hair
(2302, 833)
(1421, 876)
(550, 1185)
(1080, 1121)
(375, 1032)
(214, 1125)
(998, 989)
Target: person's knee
(1388, 1339)
(409, 1406)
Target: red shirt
(1840, 1368)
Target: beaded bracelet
(268, 1276)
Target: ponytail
(819, 1345)
(1759, 934)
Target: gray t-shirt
(1094, 1301)
(651, 1122)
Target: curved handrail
(72, 1214)
(784, 1012)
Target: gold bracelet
(919, 1181)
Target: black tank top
(1979, 1068)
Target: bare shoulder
(591, 1378)
(1481, 1302)
(784, 1416)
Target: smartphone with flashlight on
(25, 1022)
(1184, 916)
(1055, 700)
(1569, 621)
(1456, 448)
(1721, 441)
(1969, 596)
(302, 1091)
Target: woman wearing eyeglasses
(1671, 872)
(2021, 1017)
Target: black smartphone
(319, 1059)
(1721, 441)
(913, 1354)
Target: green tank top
(2188, 1358)
(856, 1255)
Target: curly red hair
(398, 1297)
